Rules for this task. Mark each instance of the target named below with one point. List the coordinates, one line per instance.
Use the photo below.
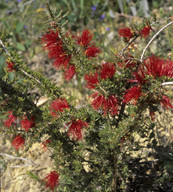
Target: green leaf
(20, 47)
(32, 175)
(19, 27)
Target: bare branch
(167, 83)
(19, 158)
(151, 40)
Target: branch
(151, 40)
(167, 83)
(122, 50)
(18, 158)
(51, 87)
(7, 52)
(168, 48)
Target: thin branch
(168, 48)
(7, 52)
(151, 40)
(122, 50)
(167, 83)
(133, 59)
(18, 158)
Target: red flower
(27, 123)
(51, 38)
(76, 128)
(85, 38)
(70, 72)
(10, 66)
(132, 93)
(92, 51)
(158, 67)
(62, 61)
(58, 106)
(154, 66)
(168, 68)
(18, 142)
(139, 78)
(44, 143)
(107, 71)
(54, 45)
(145, 31)
(52, 180)
(108, 105)
(126, 33)
(166, 102)
(10, 120)
(92, 80)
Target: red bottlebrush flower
(108, 105)
(69, 73)
(139, 78)
(145, 31)
(58, 105)
(27, 123)
(126, 33)
(62, 61)
(92, 51)
(166, 102)
(76, 128)
(168, 68)
(132, 93)
(107, 70)
(10, 66)
(54, 45)
(158, 67)
(10, 120)
(85, 38)
(18, 142)
(44, 143)
(50, 39)
(92, 80)
(52, 180)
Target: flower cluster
(58, 50)
(157, 67)
(153, 67)
(108, 105)
(90, 50)
(52, 180)
(145, 31)
(58, 105)
(27, 123)
(128, 33)
(11, 119)
(18, 142)
(76, 127)
(107, 71)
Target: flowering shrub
(100, 130)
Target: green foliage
(110, 156)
